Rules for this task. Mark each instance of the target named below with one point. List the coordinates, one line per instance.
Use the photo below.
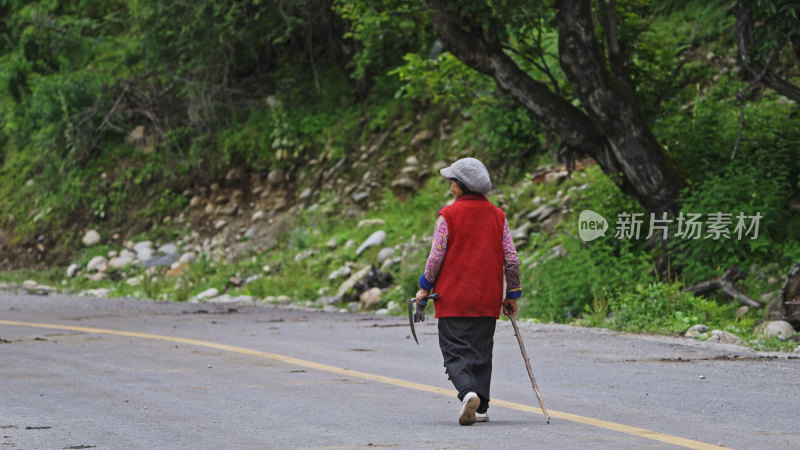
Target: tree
(609, 126)
(760, 48)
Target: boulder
(696, 331)
(72, 270)
(341, 272)
(375, 238)
(168, 249)
(351, 282)
(369, 299)
(780, 329)
(126, 258)
(160, 261)
(100, 293)
(97, 264)
(360, 197)
(91, 238)
(187, 258)
(208, 293)
(384, 254)
(725, 337)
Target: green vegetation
(110, 111)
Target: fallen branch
(725, 283)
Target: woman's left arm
(511, 265)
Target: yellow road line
(635, 431)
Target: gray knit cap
(471, 172)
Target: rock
(405, 183)
(229, 210)
(384, 254)
(421, 138)
(369, 299)
(283, 299)
(228, 299)
(34, 288)
(797, 349)
(541, 213)
(340, 272)
(780, 329)
(371, 223)
(393, 307)
(360, 197)
(97, 264)
(178, 271)
(275, 177)
(168, 249)
(258, 215)
(187, 258)
(144, 250)
(140, 140)
(351, 282)
(696, 331)
(72, 270)
(389, 263)
(96, 277)
(725, 337)
(305, 254)
(125, 258)
(742, 311)
(100, 293)
(208, 293)
(521, 233)
(160, 261)
(305, 195)
(220, 224)
(332, 244)
(142, 245)
(235, 174)
(91, 238)
(375, 238)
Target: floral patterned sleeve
(436, 257)
(511, 264)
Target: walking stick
(528, 366)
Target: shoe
(468, 407)
(482, 417)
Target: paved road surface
(121, 373)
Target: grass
(629, 301)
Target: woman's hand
(510, 307)
(422, 293)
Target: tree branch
(744, 39)
(725, 283)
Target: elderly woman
(472, 249)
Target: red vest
(470, 282)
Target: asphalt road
(123, 373)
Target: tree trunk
(612, 131)
(787, 305)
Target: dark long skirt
(466, 344)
